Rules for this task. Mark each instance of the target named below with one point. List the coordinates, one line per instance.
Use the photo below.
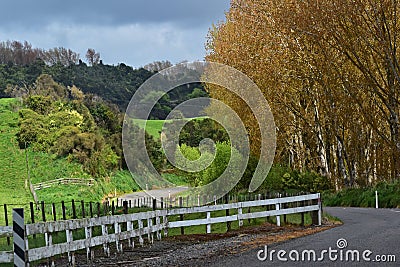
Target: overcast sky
(134, 32)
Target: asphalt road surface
(368, 237)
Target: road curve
(374, 233)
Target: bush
(217, 167)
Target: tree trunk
(321, 149)
(341, 167)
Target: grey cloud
(136, 32)
(186, 13)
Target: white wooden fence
(60, 181)
(146, 225)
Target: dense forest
(21, 65)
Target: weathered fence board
(6, 231)
(50, 227)
(6, 256)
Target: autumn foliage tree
(330, 72)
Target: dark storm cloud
(135, 32)
(185, 13)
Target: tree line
(330, 71)
(21, 65)
(22, 53)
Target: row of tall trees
(330, 71)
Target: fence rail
(60, 181)
(145, 225)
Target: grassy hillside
(13, 160)
(153, 127)
(43, 167)
(13, 172)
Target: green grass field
(154, 127)
(15, 162)
(13, 169)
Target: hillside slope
(13, 172)
(14, 167)
(45, 167)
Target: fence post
(83, 208)
(129, 227)
(228, 224)
(169, 198)
(53, 206)
(319, 209)
(32, 212)
(154, 203)
(284, 206)
(91, 209)
(140, 228)
(181, 215)
(73, 209)
(20, 257)
(165, 222)
(105, 208)
(125, 205)
(89, 251)
(32, 215)
(43, 210)
(98, 209)
(158, 223)
(104, 232)
(117, 231)
(6, 219)
(208, 225)
(240, 212)
(278, 217)
(302, 204)
(315, 213)
(63, 210)
(150, 230)
(71, 255)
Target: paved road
(375, 230)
